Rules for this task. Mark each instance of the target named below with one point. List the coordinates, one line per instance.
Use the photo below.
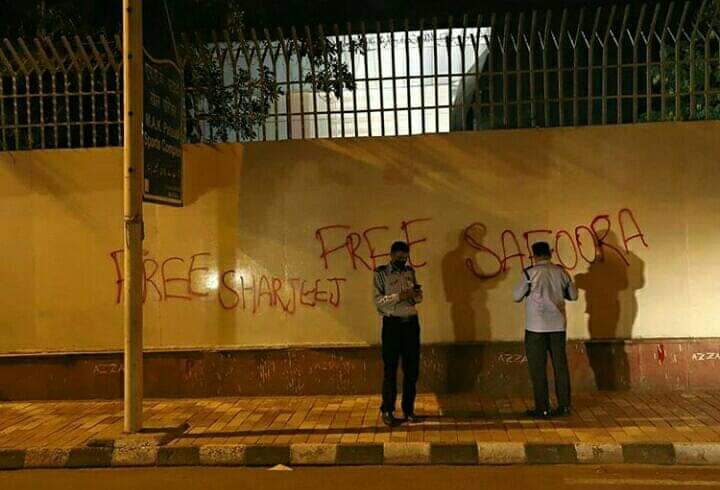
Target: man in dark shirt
(396, 292)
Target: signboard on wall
(163, 99)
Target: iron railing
(539, 69)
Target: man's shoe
(412, 418)
(389, 419)
(561, 412)
(538, 414)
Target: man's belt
(402, 319)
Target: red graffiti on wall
(359, 247)
(184, 280)
(586, 242)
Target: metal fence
(538, 69)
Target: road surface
(356, 478)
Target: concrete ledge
(641, 453)
(89, 457)
(222, 455)
(313, 454)
(41, 457)
(359, 454)
(178, 456)
(406, 453)
(551, 453)
(453, 453)
(496, 453)
(589, 453)
(267, 455)
(692, 453)
(389, 453)
(153, 434)
(135, 456)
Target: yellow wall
(253, 211)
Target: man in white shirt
(545, 287)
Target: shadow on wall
(469, 314)
(610, 287)
(466, 294)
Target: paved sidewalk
(607, 420)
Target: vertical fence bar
(287, 55)
(636, 60)
(576, 74)
(3, 141)
(248, 56)
(378, 29)
(274, 54)
(26, 76)
(28, 110)
(328, 100)
(517, 45)
(436, 76)
(708, 38)
(407, 75)
(605, 66)
(311, 57)
(102, 66)
(648, 62)
(3, 121)
(78, 73)
(620, 64)
(448, 42)
(15, 109)
(91, 69)
(38, 72)
(477, 108)
(491, 66)
(261, 71)
(462, 72)
(546, 70)
(561, 67)
(394, 77)
(301, 80)
(663, 61)
(234, 55)
(61, 67)
(421, 46)
(367, 80)
(530, 41)
(117, 66)
(506, 81)
(591, 67)
(339, 48)
(16, 112)
(219, 55)
(678, 88)
(693, 37)
(353, 49)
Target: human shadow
(467, 295)
(610, 287)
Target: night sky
(205, 15)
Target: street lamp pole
(132, 212)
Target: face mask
(399, 263)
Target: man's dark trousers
(400, 341)
(537, 347)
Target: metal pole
(132, 212)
